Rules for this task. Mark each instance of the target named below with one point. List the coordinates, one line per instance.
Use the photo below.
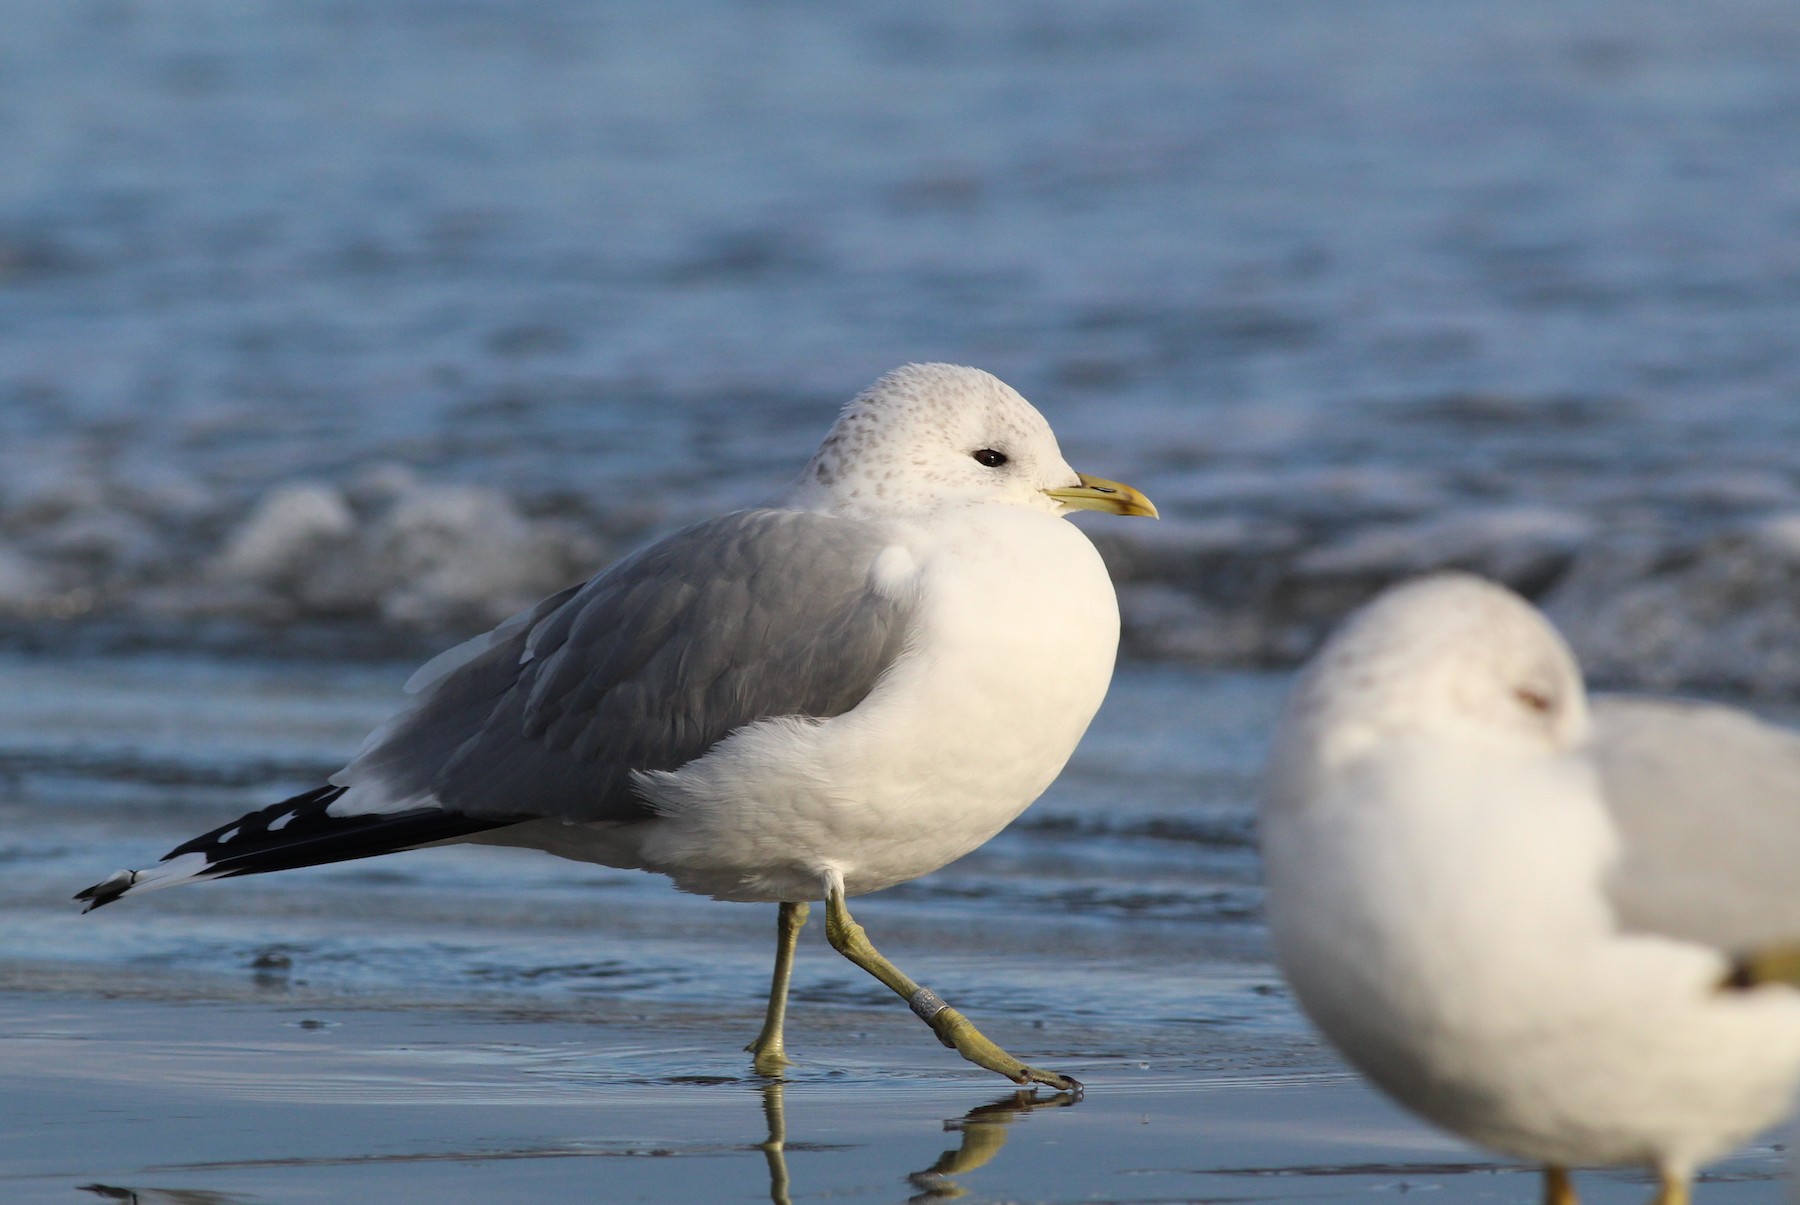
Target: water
(476, 1022)
(1352, 289)
(112, 762)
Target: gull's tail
(295, 832)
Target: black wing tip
(113, 887)
(292, 834)
(302, 832)
(254, 828)
(216, 845)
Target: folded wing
(646, 666)
(1707, 802)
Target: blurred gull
(1536, 926)
(811, 700)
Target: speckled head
(926, 436)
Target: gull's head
(1445, 655)
(928, 436)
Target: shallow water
(471, 1024)
(110, 763)
(1354, 289)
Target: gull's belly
(1491, 993)
(1013, 655)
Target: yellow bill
(1097, 493)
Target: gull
(810, 700)
(1545, 928)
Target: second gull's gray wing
(1707, 802)
(645, 667)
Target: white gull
(1534, 925)
(811, 700)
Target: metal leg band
(927, 1004)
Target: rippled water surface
(472, 1022)
(1353, 289)
(111, 763)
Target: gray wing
(1707, 801)
(645, 667)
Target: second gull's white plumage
(1532, 924)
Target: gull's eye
(990, 458)
(1536, 701)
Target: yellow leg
(1672, 1186)
(770, 1052)
(952, 1028)
(1559, 1189)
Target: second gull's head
(1448, 653)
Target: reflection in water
(775, 1149)
(162, 1196)
(983, 1131)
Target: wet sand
(483, 1024)
(234, 1101)
(112, 1090)
(211, 1101)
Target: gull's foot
(770, 1058)
(1062, 1083)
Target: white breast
(1451, 937)
(1017, 633)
